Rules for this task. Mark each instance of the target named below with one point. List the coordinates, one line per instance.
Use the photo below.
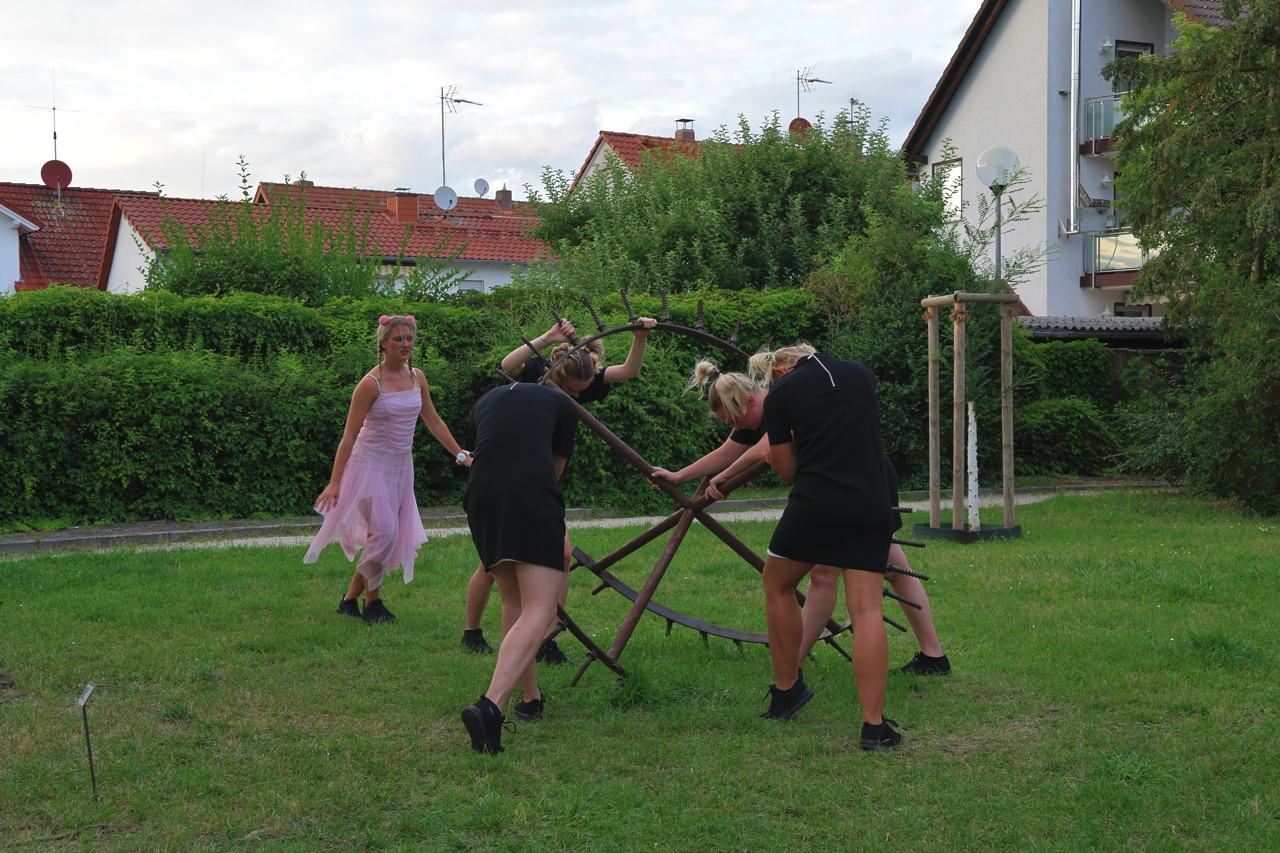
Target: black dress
(838, 513)
(514, 505)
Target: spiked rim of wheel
(678, 522)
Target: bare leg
(819, 604)
(528, 600)
(786, 625)
(357, 585)
(563, 593)
(870, 645)
(478, 589)
(370, 593)
(921, 620)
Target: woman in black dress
(524, 437)
(824, 586)
(823, 425)
(584, 377)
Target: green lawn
(1115, 689)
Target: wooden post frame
(959, 317)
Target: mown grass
(1114, 689)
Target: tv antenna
(449, 99)
(804, 83)
(55, 173)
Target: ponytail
(725, 392)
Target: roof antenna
(55, 173)
(803, 83)
(448, 98)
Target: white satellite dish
(482, 187)
(445, 198)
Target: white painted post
(975, 523)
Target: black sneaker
(484, 722)
(349, 607)
(375, 612)
(922, 664)
(784, 703)
(531, 711)
(474, 640)
(880, 736)
(550, 654)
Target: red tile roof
(75, 242)
(484, 229)
(630, 148)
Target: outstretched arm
(361, 399)
(717, 460)
(436, 424)
(753, 455)
(630, 368)
(513, 363)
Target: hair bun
(409, 317)
(384, 319)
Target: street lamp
(996, 169)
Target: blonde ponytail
(582, 364)
(769, 367)
(725, 392)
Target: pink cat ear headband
(384, 319)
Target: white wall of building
(1012, 96)
(9, 270)
(485, 275)
(129, 262)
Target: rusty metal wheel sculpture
(679, 522)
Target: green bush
(1063, 436)
(1059, 369)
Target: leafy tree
(1198, 161)
(746, 210)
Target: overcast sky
(175, 91)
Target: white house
(1027, 76)
(12, 227)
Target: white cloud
(174, 91)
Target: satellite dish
(482, 187)
(56, 175)
(799, 126)
(445, 198)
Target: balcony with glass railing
(1112, 258)
(1101, 115)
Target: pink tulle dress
(376, 515)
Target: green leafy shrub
(1061, 369)
(1063, 436)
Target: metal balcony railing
(1101, 115)
(1113, 250)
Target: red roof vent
(503, 197)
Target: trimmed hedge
(1063, 436)
(121, 408)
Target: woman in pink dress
(368, 505)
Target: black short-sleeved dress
(593, 393)
(513, 501)
(891, 477)
(838, 513)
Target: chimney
(403, 205)
(684, 133)
(503, 197)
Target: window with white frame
(470, 284)
(949, 173)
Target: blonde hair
(581, 364)
(725, 392)
(386, 325)
(769, 367)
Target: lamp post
(996, 168)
